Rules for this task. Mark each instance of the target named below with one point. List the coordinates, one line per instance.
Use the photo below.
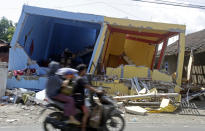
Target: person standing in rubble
(53, 91)
(66, 56)
(80, 84)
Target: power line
(119, 10)
(90, 3)
(173, 4)
(185, 2)
(162, 2)
(82, 4)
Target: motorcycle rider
(53, 91)
(80, 85)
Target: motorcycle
(104, 116)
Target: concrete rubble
(137, 110)
(23, 96)
(155, 96)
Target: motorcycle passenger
(53, 88)
(80, 85)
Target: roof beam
(141, 40)
(135, 32)
(168, 35)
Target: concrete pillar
(180, 61)
(3, 77)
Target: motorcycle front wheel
(115, 123)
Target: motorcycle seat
(55, 103)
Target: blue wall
(18, 59)
(38, 84)
(50, 36)
(74, 38)
(36, 28)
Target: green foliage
(7, 29)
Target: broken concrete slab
(164, 103)
(137, 110)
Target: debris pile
(137, 95)
(144, 94)
(24, 96)
(191, 92)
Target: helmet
(66, 71)
(53, 67)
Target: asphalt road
(129, 127)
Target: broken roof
(195, 41)
(3, 41)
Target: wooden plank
(144, 103)
(146, 96)
(190, 65)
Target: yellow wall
(133, 71)
(159, 76)
(115, 46)
(116, 43)
(114, 88)
(129, 71)
(113, 71)
(140, 53)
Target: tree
(7, 29)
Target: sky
(194, 19)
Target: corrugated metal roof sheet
(195, 41)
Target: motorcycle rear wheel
(49, 127)
(48, 123)
(112, 123)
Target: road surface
(129, 127)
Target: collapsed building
(113, 47)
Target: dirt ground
(18, 115)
